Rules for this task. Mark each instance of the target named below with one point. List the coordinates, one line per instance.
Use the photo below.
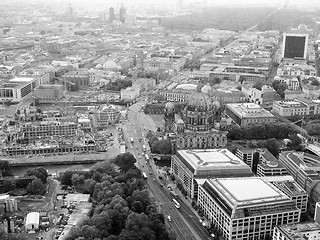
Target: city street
(183, 221)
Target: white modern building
(246, 208)
(192, 167)
(32, 222)
(17, 89)
(76, 198)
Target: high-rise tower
(111, 14)
(122, 13)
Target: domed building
(196, 128)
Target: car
(154, 179)
(161, 185)
(169, 218)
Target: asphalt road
(183, 221)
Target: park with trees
(123, 208)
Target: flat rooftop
(213, 162)
(21, 79)
(247, 189)
(245, 192)
(299, 230)
(248, 110)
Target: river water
(52, 169)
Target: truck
(144, 147)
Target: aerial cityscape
(159, 120)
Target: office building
(299, 231)
(191, 166)
(245, 114)
(246, 155)
(48, 93)
(305, 169)
(17, 89)
(122, 14)
(245, 208)
(295, 45)
(111, 14)
(295, 192)
(269, 165)
(297, 106)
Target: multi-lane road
(183, 221)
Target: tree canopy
(161, 146)
(125, 161)
(36, 187)
(123, 209)
(39, 172)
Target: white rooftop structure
(21, 79)
(249, 189)
(76, 198)
(244, 191)
(213, 162)
(32, 221)
(3, 198)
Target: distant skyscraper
(70, 10)
(111, 14)
(122, 13)
(295, 45)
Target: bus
(176, 204)
(144, 147)
(147, 158)
(144, 175)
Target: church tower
(169, 118)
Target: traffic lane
(189, 215)
(167, 208)
(175, 213)
(163, 208)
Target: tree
(161, 147)
(36, 187)
(125, 161)
(65, 178)
(313, 129)
(5, 168)
(241, 79)
(149, 134)
(315, 82)
(258, 85)
(8, 185)
(273, 146)
(39, 172)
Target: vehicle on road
(169, 218)
(131, 140)
(147, 157)
(176, 204)
(144, 175)
(144, 147)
